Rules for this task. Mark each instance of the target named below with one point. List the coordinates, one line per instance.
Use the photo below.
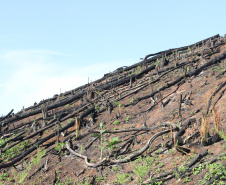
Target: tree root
(107, 161)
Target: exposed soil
(150, 120)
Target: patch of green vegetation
(182, 168)
(21, 176)
(116, 103)
(166, 135)
(207, 176)
(101, 178)
(161, 165)
(122, 178)
(142, 166)
(198, 169)
(115, 168)
(202, 181)
(101, 139)
(187, 179)
(2, 141)
(4, 176)
(127, 119)
(68, 182)
(189, 49)
(171, 151)
(221, 133)
(138, 70)
(59, 146)
(97, 107)
(116, 122)
(157, 62)
(155, 183)
(218, 68)
(67, 106)
(120, 108)
(215, 169)
(36, 160)
(14, 151)
(112, 143)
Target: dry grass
(216, 119)
(204, 127)
(77, 125)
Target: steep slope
(160, 121)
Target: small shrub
(127, 119)
(122, 178)
(112, 143)
(59, 146)
(4, 176)
(116, 122)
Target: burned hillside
(159, 121)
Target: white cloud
(23, 57)
(33, 75)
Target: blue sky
(47, 46)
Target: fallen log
(190, 74)
(169, 51)
(49, 107)
(107, 86)
(35, 146)
(7, 115)
(215, 92)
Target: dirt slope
(160, 121)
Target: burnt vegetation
(159, 121)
